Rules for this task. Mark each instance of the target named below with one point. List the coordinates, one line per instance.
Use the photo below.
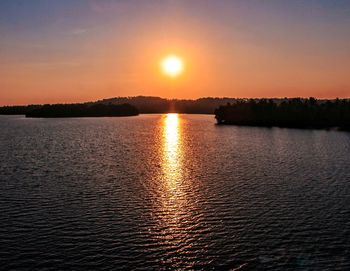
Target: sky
(85, 50)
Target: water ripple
(164, 192)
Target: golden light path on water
(174, 201)
(176, 211)
(172, 167)
(172, 150)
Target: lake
(160, 192)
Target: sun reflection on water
(172, 150)
(175, 209)
(174, 198)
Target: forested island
(82, 110)
(296, 113)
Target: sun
(172, 65)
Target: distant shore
(288, 112)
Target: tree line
(296, 112)
(82, 110)
(144, 104)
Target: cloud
(51, 64)
(79, 31)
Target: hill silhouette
(150, 104)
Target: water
(171, 192)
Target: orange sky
(89, 50)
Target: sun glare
(172, 65)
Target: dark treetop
(299, 113)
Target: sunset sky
(83, 50)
